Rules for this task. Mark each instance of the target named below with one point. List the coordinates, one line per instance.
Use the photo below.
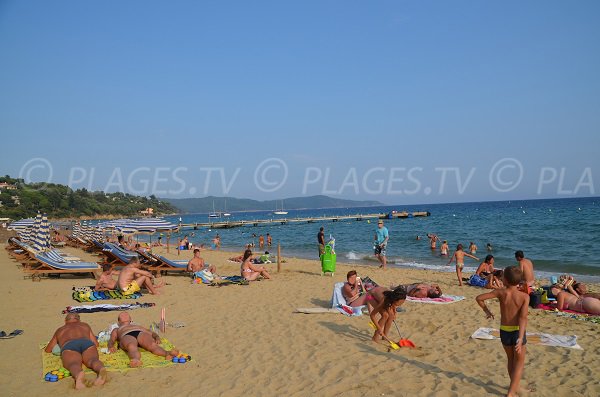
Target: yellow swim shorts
(131, 288)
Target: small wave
(352, 256)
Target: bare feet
(80, 381)
(134, 363)
(101, 378)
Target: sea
(558, 235)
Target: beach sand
(247, 340)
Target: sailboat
(214, 214)
(226, 213)
(280, 212)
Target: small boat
(214, 214)
(281, 211)
(226, 213)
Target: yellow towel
(117, 361)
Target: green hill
(22, 200)
(205, 204)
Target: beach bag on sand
(477, 281)
(535, 298)
(204, 275)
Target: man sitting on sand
(131, 337)
(78, 346)
(132, 278)
(105, 281)
(196, 264)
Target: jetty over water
(219, 224)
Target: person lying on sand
(386, 310)
(78, 346)
(132, 278)
(105, 280)
(582, 303)
(131, 337)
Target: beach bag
(535, 298)
(204, 275)
(477, 281)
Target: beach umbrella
(76, 230)
(36, 227)
(23, 228)
(42, 239)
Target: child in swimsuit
(513, 321)
(459, 257)
(386, 309)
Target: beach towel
(92, 296)
(533, 338)
(204, 276)
(229, 280)
(442, 300)
(569, 313)
(339, 303)
(106, 307)
(316, 310)
(117, 361)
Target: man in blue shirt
(381, 239)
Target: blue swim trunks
(78, 345)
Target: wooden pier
(286, 221)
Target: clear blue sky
(368, 90)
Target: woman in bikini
(251, 272)
(386, 310)
(581, 303)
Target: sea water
(558, 235)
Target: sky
(402, 102)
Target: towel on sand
(442, 300)
(533, 338)
(117, 361)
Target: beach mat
(92, 296)
(533, 338)
(551, 309)
(442, 300)
(316, 310)
(105, 307)
(117, 361)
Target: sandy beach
(247, 340)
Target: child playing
(513, 321)
(387, 310)
(459, 257)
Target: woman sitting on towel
(250, 271)
(353, 290)
(583, 303)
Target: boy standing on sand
(513, 321)
(459, 257)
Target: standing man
(269, 240)
(381, 239)
(321, 241)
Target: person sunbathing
(249, 271)
(78, 347)
(105, 280)
(353, 290)
(132, 278)
(583, 304)
(422, 290)
(131, 337)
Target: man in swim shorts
(78, 346)
(381, 239)
(196, 264)
(131, 337)
(132, 278)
